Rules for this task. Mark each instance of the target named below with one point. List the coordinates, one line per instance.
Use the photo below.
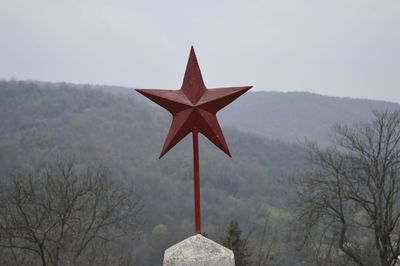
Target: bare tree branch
(356, 185)
(57, 213)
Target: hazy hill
(287, 116)
(293, 116)
(43, 122)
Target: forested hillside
(42, 123)
(287, 116)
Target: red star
(194, 107)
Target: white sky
(338, 47)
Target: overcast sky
(339, 48)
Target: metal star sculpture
(194, 108)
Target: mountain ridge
(288, 116)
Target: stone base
(198, 251)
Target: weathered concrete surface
(198, 251)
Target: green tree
(237, 245)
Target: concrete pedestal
(198, 251)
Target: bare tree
(267, 251)
(351, 196)
(58, 214)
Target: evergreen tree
(237, 245)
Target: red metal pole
(196, 181)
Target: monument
(194, 108)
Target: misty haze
(314, 177)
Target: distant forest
(45, 123)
